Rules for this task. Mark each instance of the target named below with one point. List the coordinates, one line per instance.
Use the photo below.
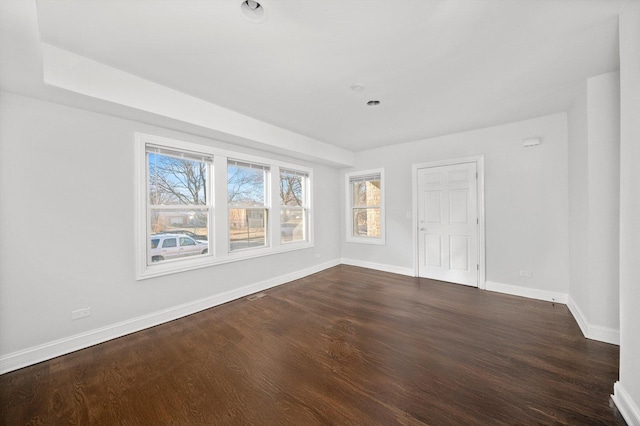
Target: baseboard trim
(626, 405)
(531, 293)
(53, 349)
(590, 331)
(578, 316)
(379, 267)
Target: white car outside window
(173, 246)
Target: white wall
(579, 204)
(604, 198)
(67, 227)
(594, 207)
(627, 390)
(526, 201)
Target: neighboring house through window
(365, 207)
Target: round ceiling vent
(253, 11)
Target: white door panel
(433, 250)
(448, 223)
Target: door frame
(479, 160)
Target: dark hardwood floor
(344, 346)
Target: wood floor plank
(344, 346)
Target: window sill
(367, 240)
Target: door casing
(479, 160)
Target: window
(293, 206)
(268, 210)
(247, 197)
(178, 201)
(365, 201)
(186, 241)
(169, 243)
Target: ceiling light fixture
(373, 103)
(253, 5)
(253, 11)
(357, 87)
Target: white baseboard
(590, 331)
(626, 405)
(379, 266)
(531, 293)
(578, 316)
(49, 350)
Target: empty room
(301, 212)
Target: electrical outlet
(527, 274)
(80, 313)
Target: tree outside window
(177, 199)
(293, 206)
(247, 200)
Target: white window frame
(350, 238)
(219, 251)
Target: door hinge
(477, 267)
(477, 221)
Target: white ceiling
(437, 66)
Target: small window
(365, 201)
(293, 206)
(247, 197)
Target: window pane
(193, 223)
(186, 241)
(245, 186)
(176, 181)
(366, 193)
(292, 186)
(292, 225)
(247, 228)
(178, 233)
(169, 242)
(366, 222)
(165, 247)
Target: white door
(448, 223)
